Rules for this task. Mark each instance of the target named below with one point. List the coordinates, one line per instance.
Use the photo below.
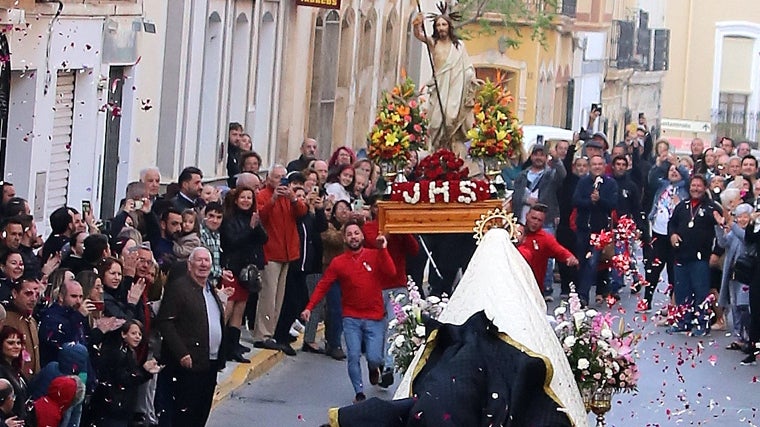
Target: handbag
(744, 266)
(607, 252)
(250, 278)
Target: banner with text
(324, 4)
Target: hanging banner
(323, 4)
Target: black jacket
(20, 388)
(116, 304)
(119, 374)
(241, 244)
(566, 190)
(697, 240)
(310, 226)
(32, 263)
(233, 164)
(629, 199)
(592, 216)
(299, 164)
(180, 202)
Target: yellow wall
(532, 53)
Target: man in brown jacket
(279, 209)
(25, 295)
(191, 322)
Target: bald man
(308, 153)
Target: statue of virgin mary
(491, 358)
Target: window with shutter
(60, 150)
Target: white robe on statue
(456, 87)
(499, 282)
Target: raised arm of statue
(417, 24)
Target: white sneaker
(296, 328)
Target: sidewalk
(235, 375)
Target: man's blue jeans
(372, 333)
(692, 285)
(589, 259)
(616, 279)
(548, 285)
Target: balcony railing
(559, 7)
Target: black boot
(233, 340)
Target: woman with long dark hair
(122, 295)
(11, 270)
(242, 239)
(11, 361)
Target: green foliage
(537, 16)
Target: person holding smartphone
(279, 209)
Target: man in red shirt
(361, 273)
(279, 209)
(537, 246)
(400, 246)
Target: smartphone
(139, 204)
(315, 189)
(86, 207)
(596, 107)
(641, 116)
(357, 205)
(539, 140)
(99, 305)
(284, 181)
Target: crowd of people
(129, 323)
(140, 314)
(696, 215)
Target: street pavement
(298, 392)
(684, 381)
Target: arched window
(365, 80)
(239, 71)
(390, 51)
(325, 62)
(413, 55)
(208, 134)
(346, 64)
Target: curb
(260, 364)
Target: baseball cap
(601, 135)
(594, 144)
(538, 147)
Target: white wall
(68, 50)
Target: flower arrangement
(625, 237)
(400, 126)
(443, 165)
(496, 132)
(408, 327)
(600, 356)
